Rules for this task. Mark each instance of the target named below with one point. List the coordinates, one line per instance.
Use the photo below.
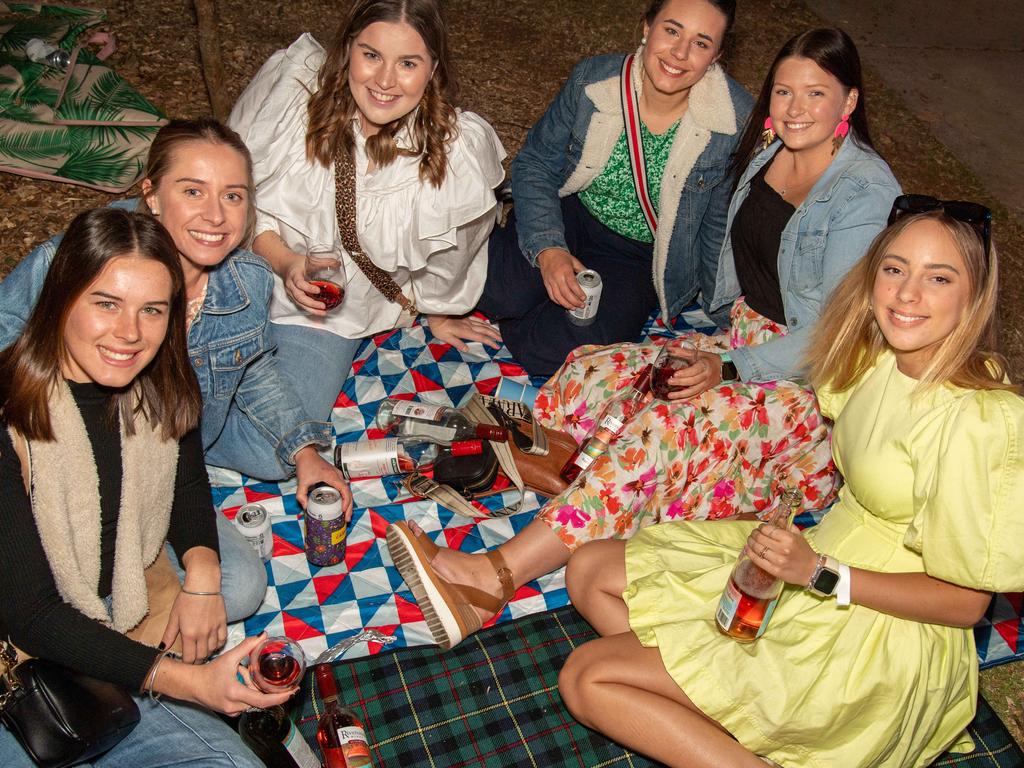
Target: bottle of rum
(395, 455)
(273, 737)
(752, 593)
(610, 424)
(409, 418)
(339, 732)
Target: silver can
(590, 282)
(253, 522)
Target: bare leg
(534, 551)
(620, 688)
(596, 578)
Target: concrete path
(959, 66)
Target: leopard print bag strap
(345, 209)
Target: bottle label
(421, 411)
(369, 458)
(428, 431)
(767, 617)
(353, 743)
(612, 424)
(727, 605)
(300, 751)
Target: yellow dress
(934, 483)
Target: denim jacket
(829, 232)
(570, 145)
(229, 345)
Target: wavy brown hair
(847, 340)
(165, 393)
(431, 127)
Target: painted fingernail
(162, 647)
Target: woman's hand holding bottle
(784, 553)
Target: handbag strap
(445, 495)
(635, 144)
(345, 209)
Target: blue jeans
(241, 446)
(316, 363)
(243, 576)
(536, 330)
(168, 734)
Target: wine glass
(277, 664)
(325, 270)
(675, 355)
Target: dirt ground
(511, 57)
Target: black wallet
(467, 475)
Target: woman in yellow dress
(869, 659)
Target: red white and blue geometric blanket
(320, 607)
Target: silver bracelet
(151, 677)
(200, 594)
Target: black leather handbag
(61, 717)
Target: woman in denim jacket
(713, 448)
(198, 183)
(576, 205)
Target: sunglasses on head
(974, 214)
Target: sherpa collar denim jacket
(827, 234)
(228, 345)
(570, 145)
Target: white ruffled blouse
(433, 242)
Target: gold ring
(764, 551)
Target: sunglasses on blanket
(974, 214)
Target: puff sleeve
(968, 524)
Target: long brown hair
(165, 392)
(835, 52)
(332, 107)
(848, 341)
(174, 136)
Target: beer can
(325, 525)
(253, 522)
(590, 282)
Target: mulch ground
(511, 58)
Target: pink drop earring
(768, 134)
(842, 130)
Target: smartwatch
(825, 579)
(729, 372)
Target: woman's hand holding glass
(315, 276)
(683, 371)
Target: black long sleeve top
(32, 611)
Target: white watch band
(843, 587)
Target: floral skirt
(727, 451)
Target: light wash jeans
(168, 734)
(316, 363)
(243, 576)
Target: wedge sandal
(447, 608)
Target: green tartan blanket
(493, 701)
(85, 125)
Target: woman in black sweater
(99, 412)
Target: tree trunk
(209, 54)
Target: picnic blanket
(493, 701)
(320, 607)
(85, 125)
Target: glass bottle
(395, 455)
(751, 594)
(275, 740)
(339, 732)
(609, 425)
(407, 418)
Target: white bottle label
(300, 751)
(420, 411)
(584, 460)
(351, 733)
(727, 605)
(612, 424)
(428, 430)
(370, 458)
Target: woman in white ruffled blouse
(425, 178)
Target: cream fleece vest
(64, 488)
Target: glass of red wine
(277, 664)
(675, 355)
(325, 270)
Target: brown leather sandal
(447, 608)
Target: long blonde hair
(848, 341)
(431, 126)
